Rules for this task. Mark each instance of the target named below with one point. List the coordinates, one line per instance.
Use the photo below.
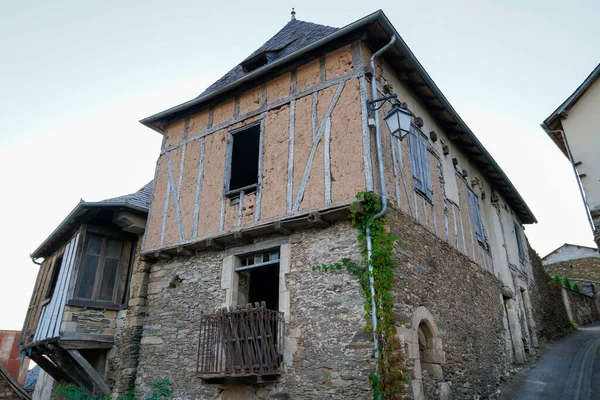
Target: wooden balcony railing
(241, 342)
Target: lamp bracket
(382, 100)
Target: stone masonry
(465, 303)
(459, 347)
(326, 348)
(549, 312)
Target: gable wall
(581, 127)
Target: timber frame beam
(310, 219)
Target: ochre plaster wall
(317, 106)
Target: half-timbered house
(253, 187)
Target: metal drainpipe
(35, 262)
(587, 212)
(383, 198)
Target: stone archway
(425, 353)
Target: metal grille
(241, 342)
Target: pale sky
(75, 78)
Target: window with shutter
(419, 160)
(477, 221)
(519, 243)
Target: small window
(477, 222)
(101, 269)
(419, 161)
(244, 160)
(519, 243)
(54, 279)
(259, 279)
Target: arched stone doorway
(425, 352)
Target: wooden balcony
(241, 343)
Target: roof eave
(404, 49)
(39, 251)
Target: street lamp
(398, 120)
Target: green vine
(389, 383)
(161, 390)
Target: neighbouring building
(76, 328)
(253, 188)
(13, 367)
(573, 126)
(580, 264)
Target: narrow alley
(569, 369)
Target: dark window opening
(54, 279)
(244, 158)
(259, 279)
(264, 286)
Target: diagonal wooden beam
(316, 142)
(83, 363)
(174, 189)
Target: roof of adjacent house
(299, 40)
(554, 119)
(569, 245)
(138, 201)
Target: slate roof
(142, 198)
(139, 201)
(293, 36)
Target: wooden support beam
(83, 363)
(214, 245)
(282, 228)
(184, 252)
(48, 366)
(65, 363)
(316, 221)
(161, 255)
(242, 237)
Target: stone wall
(583, 308)
(89, 320)
(583, 268)
(440, 286)
(327, 350)
(123, 358)
(552, 321)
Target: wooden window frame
(121, 283)
(235, 193)
(418, 145)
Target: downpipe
(384, 203)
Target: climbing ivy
(390, 381)
(161, 390)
